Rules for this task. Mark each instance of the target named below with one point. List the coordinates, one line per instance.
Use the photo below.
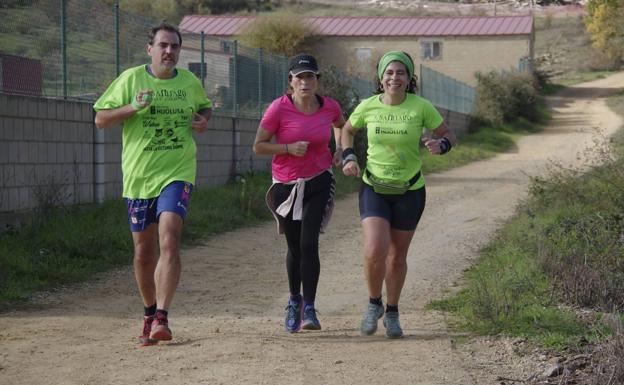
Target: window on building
(363, 55)
(431, 50)
(226, 46)
(196, 69)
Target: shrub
(339, 86)
(283, 34)
(503, 97)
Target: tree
(604, 24)
(283, 34)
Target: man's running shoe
(369, 321)
(292, 323)
(310, 322)
(160, 328)
(144, 338)
(393, 327)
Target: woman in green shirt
(392, 195)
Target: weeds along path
(227, 314)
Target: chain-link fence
(239, 80)
(67, 48)
(73, 49)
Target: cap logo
(304, 61)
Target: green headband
(395, 56)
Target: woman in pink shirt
(296, 129)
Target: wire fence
(446, 92)
(73, 49)
(77, 47)
(239, 80)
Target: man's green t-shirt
(158, 145)
(394, 136)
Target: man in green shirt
(159, 106)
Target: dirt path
(227, 314)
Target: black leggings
(302, 260)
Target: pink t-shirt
(289, 125)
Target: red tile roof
(225, 26)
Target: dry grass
(563, 49)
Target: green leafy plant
(284, 34)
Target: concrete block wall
(51, 147)
(226, 150)
(107, 163)
(458, 122)
(46, 152)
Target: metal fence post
(235, 91)
(202, 71)
(64, 46)
(235, 118)
(420, 80)
(284, 74)
(260, 82)
(117, 42)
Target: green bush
(504, 97)
(282, 34)
(338, 86)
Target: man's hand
(200, 123)
(142, 99)
(433, 145)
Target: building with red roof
(456, 46)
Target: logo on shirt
(165, 94)
(390, 131)
(405, 118)
(164, 110)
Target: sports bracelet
(348, 155)
(135, 104)
(346, 152)
(445, 145)
(145, 98)
(349, 158)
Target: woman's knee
(395, 261)
(375, 253)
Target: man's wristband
(445, 145)
(135, 104)
(146, 98)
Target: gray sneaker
(369, 322)
(393, 327)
